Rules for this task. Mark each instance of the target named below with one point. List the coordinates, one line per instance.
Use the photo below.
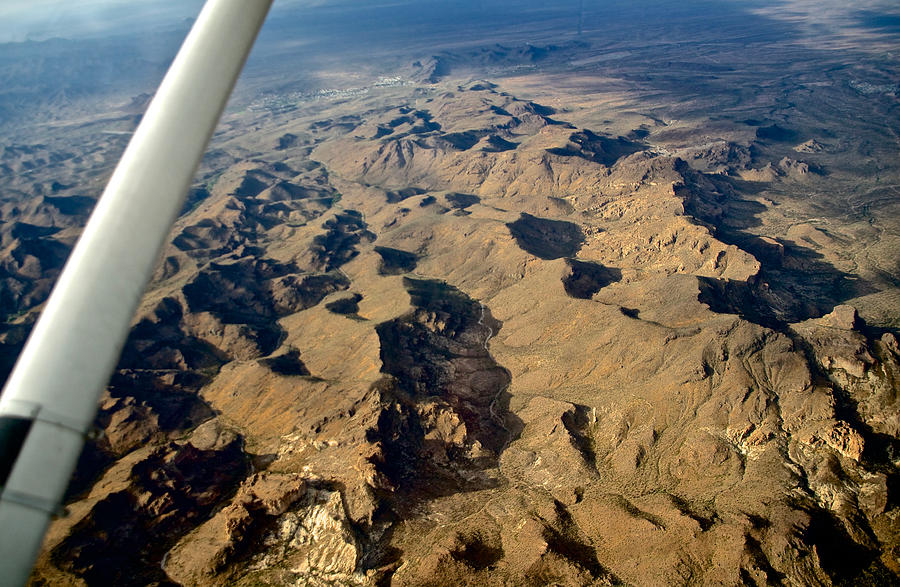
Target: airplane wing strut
(50, 399)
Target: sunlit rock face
(449, 308)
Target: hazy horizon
(38, 20)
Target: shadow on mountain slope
(444, 399)
(794, 282)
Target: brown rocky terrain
(536, 330)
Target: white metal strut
(50, 399)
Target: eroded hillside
(448, 335)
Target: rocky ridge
(563, 345)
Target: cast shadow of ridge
(444, 403)
(794, 283)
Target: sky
(40, 19)
(37, 20)
(22, 20)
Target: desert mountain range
(485, 323)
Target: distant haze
(37, 20)
(22, 20)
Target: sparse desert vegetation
(473, 298)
